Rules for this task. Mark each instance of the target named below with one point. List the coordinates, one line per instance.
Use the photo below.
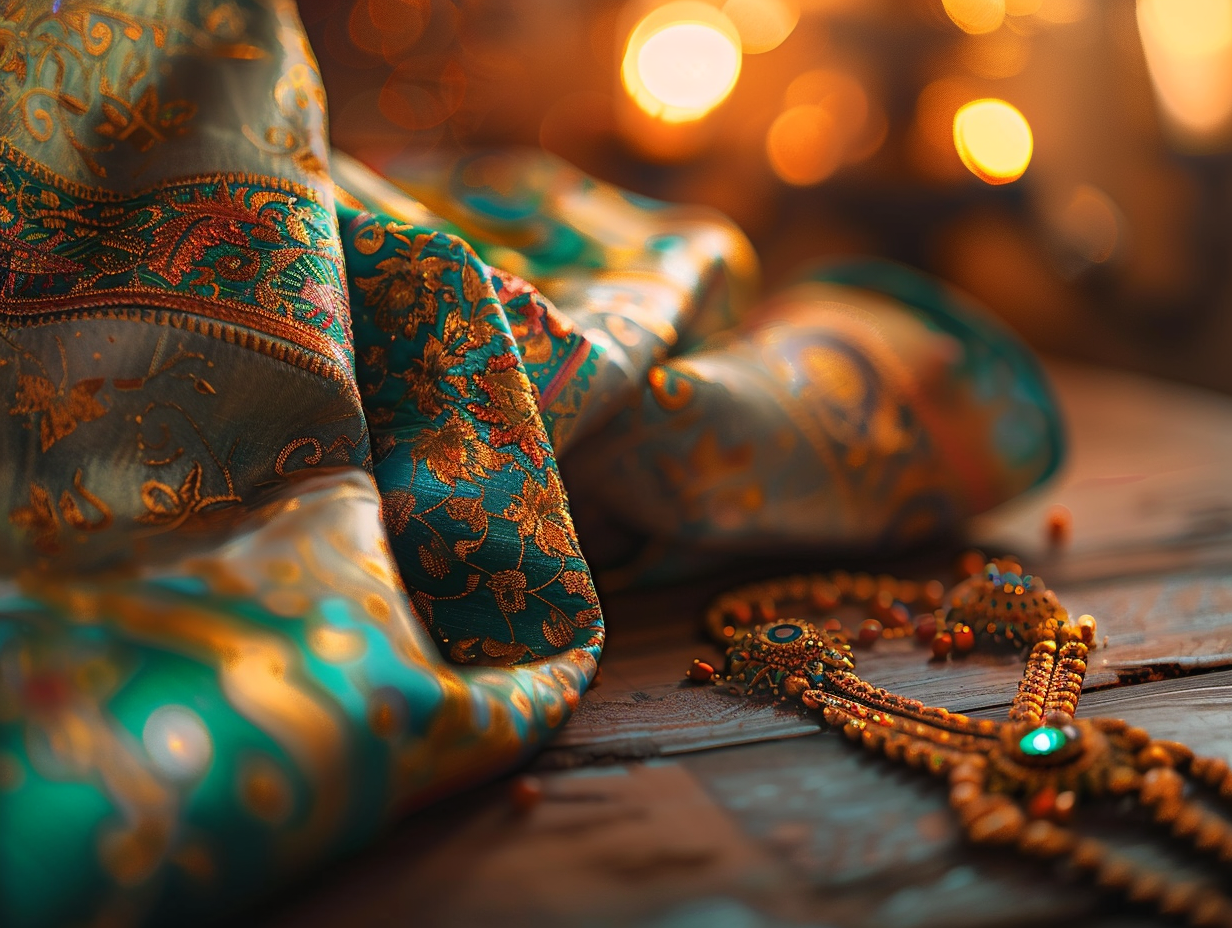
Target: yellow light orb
(976, 16)
(681, 61)
(993, 139)
(763, 24)
(1188, 45)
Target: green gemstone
(1041, 742)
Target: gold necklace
(1014, 783)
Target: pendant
(1014, 783)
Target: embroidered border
(247, 250)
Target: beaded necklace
(1014, 783)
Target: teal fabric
(285, 543)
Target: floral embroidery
(58, 413)
(60, 70)
(541, 514)
(455, 452)
(510, 589)
(405, 291)
(472, 499)
(147, 122)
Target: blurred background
(1068, 162)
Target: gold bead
(1115, 873)
(1216, 770)
(1161, 784)
(1146, 887)
(1210, 834)
(967, 772)
(980, 806)
(963, 793)
(1180, 754)
(1210, 911)
(1088, 854)
(1178, 897)
(1122, 780)
(1044, 839)
(1154, 755)
(997, 826)
(1188, 821)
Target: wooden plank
(1147, 481)
(809, 831)
(605, 846)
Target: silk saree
(291, 451)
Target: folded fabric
(286, 548)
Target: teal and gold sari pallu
(284, 546)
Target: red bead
(832, 626)
(870, 631)
(964, 639)
(701, 672)
(933, 595)
(898, 616)
(1043, 803)
(926, 629)
(942, 644)
(526, 792)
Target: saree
(292, 452)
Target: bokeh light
(178, 742)
(931, 139)
(763, 24)
(1090, 224)
(681, 61)
(828, 120)
(804, 145)
(976, 16)
(993, 139)
(1188, 45)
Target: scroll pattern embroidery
(263, 252)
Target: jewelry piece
(1013, 783)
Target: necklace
(1016, 782)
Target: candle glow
(681, 61)
(993, 139)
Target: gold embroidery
(69, 47)
(510, 589)
(170, 506)
(40, 520)
(404, 293)
(455, 452)
(214, 242)
(72, 511)
(540, 513)
(58, 413)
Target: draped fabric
(285, 545)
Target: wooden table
(671, 806)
